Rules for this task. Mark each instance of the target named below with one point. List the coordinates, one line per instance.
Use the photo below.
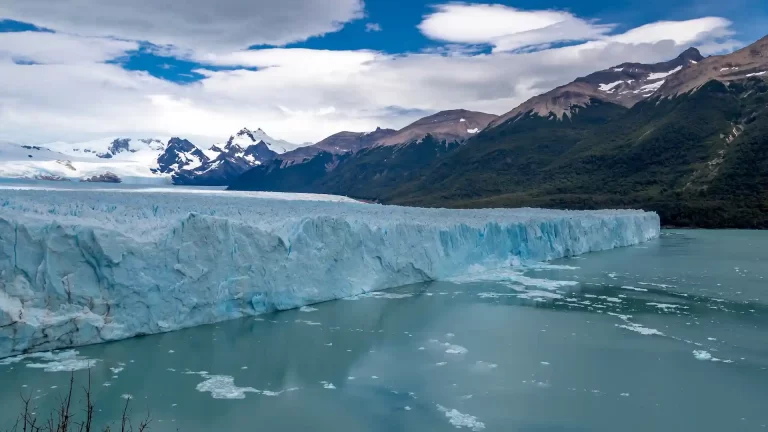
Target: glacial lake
(671, 335)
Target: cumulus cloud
(372, 27)
(214, 25)
(507, 28)
(41, 47)
(295, 94)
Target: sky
(77, 70)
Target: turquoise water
(669, 335)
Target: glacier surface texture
(82, 267)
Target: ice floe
(460, 420)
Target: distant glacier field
(83, 266)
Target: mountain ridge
(625, 84)
(699, 158)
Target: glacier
(86, 266)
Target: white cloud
(215, 25)
(506, 28)
(681, 32)
(294, 61)
(295, 94)
(372, 27)
(39, 47)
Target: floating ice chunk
(455, 349)
(510, 275)
(328, 385)
(379, 295)
(460, 420)
(624, 394)
(407, 408)
(223, 387)
(441, 363)
(539, 294)
(706, 356)
(620, 316)
(62, 361)
(656, 284)
(310, 323)
(307, 309)
(631, 288)
(544, 363)
(667, 307)
(640, 329)
(495, 295)
(126, 396)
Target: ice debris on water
(226, 256)
(460, 420)
(707, 356)
(223, 387)
(454, 349)
(53, 361)
(634, 326)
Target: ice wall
(81, 267)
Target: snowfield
(82, 267)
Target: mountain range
(687, 138)
(143, 160)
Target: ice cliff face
(81, 267)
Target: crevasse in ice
(81, 267)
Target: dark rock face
(232, 160)
(117, 146)
(107, 177)
(179, 154)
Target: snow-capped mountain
(142, 160)
(246, 137)
(240, 152)
(625, 84)
(750, 62)
(179, 154)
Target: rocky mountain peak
(691, 54)
(450, 125)
(750, 62)
(625, 84)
